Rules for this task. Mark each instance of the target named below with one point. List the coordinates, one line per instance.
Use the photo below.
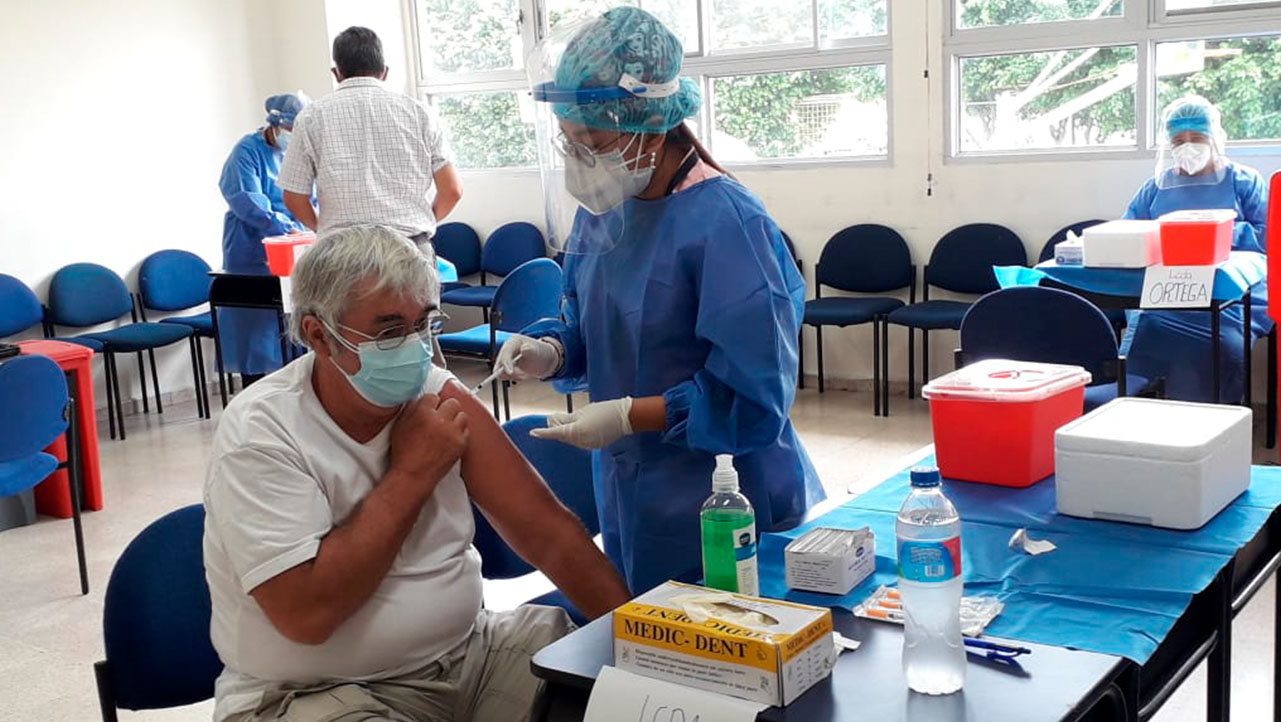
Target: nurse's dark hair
(682, 135)
(357, 52)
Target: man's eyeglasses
(394, 336)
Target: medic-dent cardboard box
(762, 650)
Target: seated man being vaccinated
(339, 517)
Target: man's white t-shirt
(282, 476)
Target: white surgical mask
(1192, 157)
(606, 180)
(282, 139)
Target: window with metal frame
(783, 81)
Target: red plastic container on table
(283, 251)
(994, 421)
(1196, 238)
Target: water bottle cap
(925, 477)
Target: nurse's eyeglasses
(393, 337)
(573, 149)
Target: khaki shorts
(490, 682)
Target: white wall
(118, 115)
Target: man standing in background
(374, 154)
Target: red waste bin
(52, 495)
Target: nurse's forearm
(300, 205)
(648, 414)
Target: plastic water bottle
(729, 534)
(929, 572)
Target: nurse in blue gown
(256, 209)
(681, 306)
(1194, 173)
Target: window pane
(680, 16)
(755, 23)
(1059, 99)
(984, 13)
(1241, 76)
(841, 19)
(1178, 5)
(461, 36)
(489, 130)
(807, 114)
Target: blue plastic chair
(155, 620)
(568, 473)
(866, 258)
(530, 293)
(1048, 325)
(506, 249)
(86, 294)
(459, 244)
(37, 410)
(174, 280)
(19, 307)
(961, 262)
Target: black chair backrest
(867, 258)
(1047, 251)
(963, 258)
(1046, 325)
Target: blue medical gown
(256, 209)
(1176, 345)
(698, 302)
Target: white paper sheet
(1035, 547)
(620, 696)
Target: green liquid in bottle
(723, 530)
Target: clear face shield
(591, 160)
(1192, 148)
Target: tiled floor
(50, 635)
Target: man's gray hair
(326, 276)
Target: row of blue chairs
(157, 608)
(875, 259)
(83, 295)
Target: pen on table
(996, 649)
(492, 377)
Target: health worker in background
(1194, 173)
(250, 338)
(682, 304)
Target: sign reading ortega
(1178, 287)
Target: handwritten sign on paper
(620, 696)
(1178, 287)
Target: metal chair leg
(569, 403)
(885, 367)
(911, 363)
(218, 364)
(925, 357)
(74, 481)
(115, 383)
(818, 334)
(106, 695)
(195, 375)
(876, 368)
(142, 382)
(493, 388)
(507, 405)
(111, 399)
(155, 381)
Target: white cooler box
(1165, 463)
(1122, 244)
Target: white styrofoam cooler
(1165, 463)
(1122, 244)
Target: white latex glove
(595, 426)
(539, 359)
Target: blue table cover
(1111, 588)
(1234, 276)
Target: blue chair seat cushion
(557, 598)
(140, 336)
(931, 315)
(1096, 396)
(474, 340)
(448, 286)
(847, 311)
(201, 323)
(91, 343)
(470, 296)
(21, 474)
